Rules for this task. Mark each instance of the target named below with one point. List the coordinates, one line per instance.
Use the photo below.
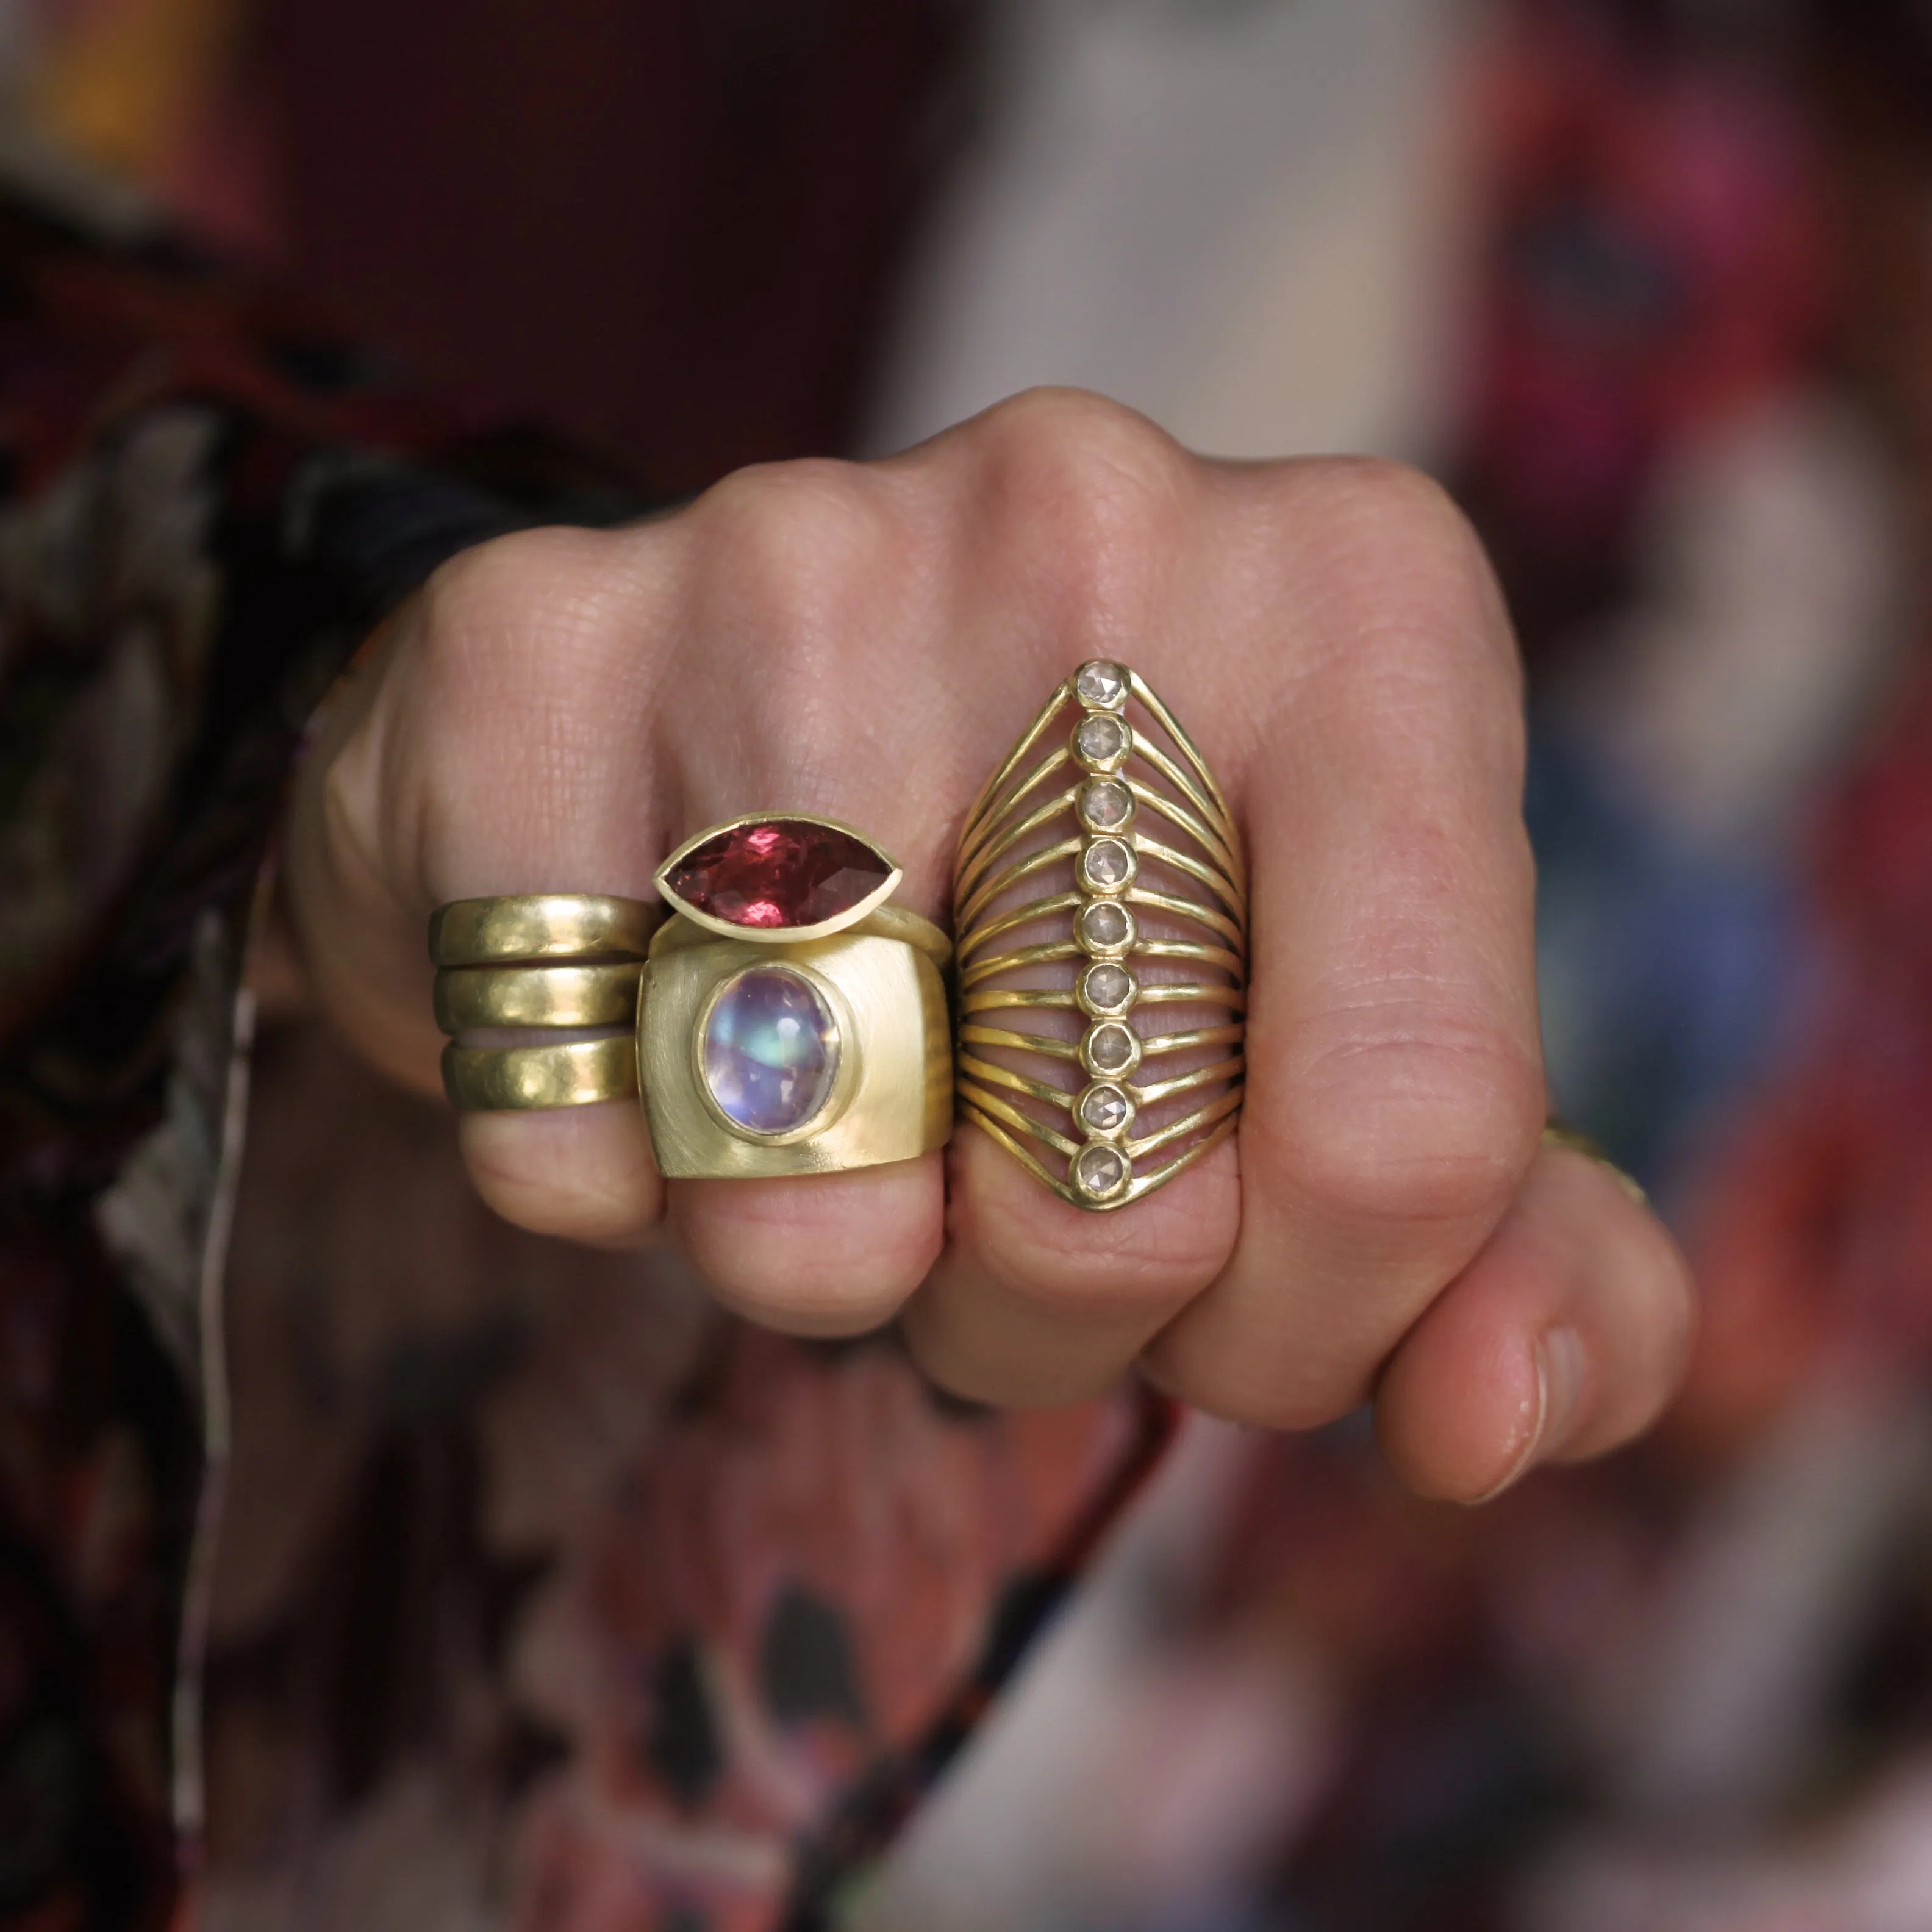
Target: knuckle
(1396, 506)
(792, 534)
(1088, 473)
(1671, 1317)
(794, 1261)
(1248, 1386)
(535, 605)
(481, 591)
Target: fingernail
(1560, 1371)
(1561, 1367)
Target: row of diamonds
(1108, 933)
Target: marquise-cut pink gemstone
(782, 873)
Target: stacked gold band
(468, 997)
(540, 925)
(552, 962)
(518, 1079)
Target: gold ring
(540, 925)
(548, 962)
(470, 997)
(792, 1021)
(788, 1019)
(1568, 1140)
(514, 1079)
(1100, 881)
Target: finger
(459, 767)
(1035, 1303)
(822, 562)
(584, 1173)
(1110, 543)
(827, 1254)
(1395, 1091)
(1562, 1339)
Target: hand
(557, 709)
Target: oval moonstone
(770, 1051)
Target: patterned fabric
(542, 1595)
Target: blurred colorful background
(1649, 283)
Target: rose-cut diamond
(1106, 927)
(1109, 864)
(1108, 988)
(777, 874)
(1106, 1110)
(1102, 684)
(1105, 805)
(770, 1051)
(1101, 1171)
(1100, 741)
(1110, 1049)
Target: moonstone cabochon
(770, 1055)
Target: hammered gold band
(518, 1079)
(575, 926)
(546, 962)
(472, 997)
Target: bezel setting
(835, 1036)
(1113, 794)
(1106, 949)
(1102, 1172)
(1102, 977)
(1102, 684)
(1092, 1098)
(1102, 764)
(855, 914)
(1098, 852)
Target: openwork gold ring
(786, 1019)
(1102, 902)
(1566, 1139)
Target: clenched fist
(559, 710)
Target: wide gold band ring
(788, 1019)
(1101, 903)
(793, 1020)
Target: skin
(557, 709)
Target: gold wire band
(1104, 802)
(576, 926)
(516, 1079)
(1568, 1140)
(468, 997)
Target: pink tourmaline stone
(781, 873)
